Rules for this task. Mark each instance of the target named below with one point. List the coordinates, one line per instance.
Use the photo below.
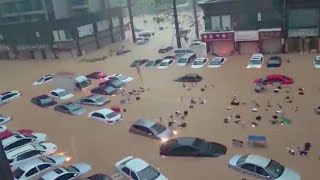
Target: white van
(186, 59)
(82, 82)
(181, 52)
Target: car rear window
(18, 173)
(242, 159)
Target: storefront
(303, 39)
(247, 42)
(219, 43)
(270, 40)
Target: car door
(144, 131)
(133, 175)
(182, 151)
(248, 168)
(8, 97)
(67, 176)
(126, 171)
(98, 116)
(31, 172)
(89, 101)
(262, 173)
(64, 109)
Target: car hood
(79, 111)
(289, 174)
(167, 134)
(254, 66)
(66, 97)
(59, 159)
(41, 137)
(161, 177)
(217, 149)
(83, 167)
(233, 161)
(197, 66)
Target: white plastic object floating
(255, 110)
(278, 112)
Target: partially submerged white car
(36, 167)
(217, 62)
(44, 79)
(28, 152)
(9, 96)
(199, 63)
(122, 77)
(262, 168)
(15, 141)
(165, 63)
(105, 115)
(256, 61)
(67, 172)
(316, 62)
(138, 169)
(3, 128)
(4, 119)
(61, 94)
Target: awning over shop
(246, 36)
(218, 36)
(269, 33)
(303, 32)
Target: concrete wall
(62, 8)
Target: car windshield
(255, 61)
(117, 82)
(215, 63)
(111, 115)
(275, 169)
(200, 144)
(273, 61)
(18, 173)
(46, 100)
(63, 93)
(109, 89)
(158, 128)
(198, 63)
(164, 64)
(242, 159)
(71, 169)
(74, 107)
(148, 173)
(100, 99)
(182, 60)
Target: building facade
(264, 26)
(48, 29)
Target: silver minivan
(186, 59)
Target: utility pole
(5, 171)
(196, 23)
(131, 21)
(176, 22)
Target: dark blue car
(274, 62)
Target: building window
(115, 21)
(226, 22)
(215, 21)
(259, 16)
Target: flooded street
(102, 145)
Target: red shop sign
(269, 34)
(228, 36)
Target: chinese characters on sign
(270, 34)
(218, 37)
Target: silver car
(262, 168)
(94, 100)
(70, 108)
(151, 129)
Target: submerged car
(43, 101)
(217, 62)
(138, 62)
(192, 146)
(15, 141)
(105, 115)
(274, 78)
(4, 119)
(199, 63)
(98, 176)
(137, 169)
(105, 90)
(94, 100)
(165, 63)
(122, 51)
(142, 41)
(189, 78)
(274, 62)
(67, 172)
(96, 75)
(316, 62)
(256, 61)
(150, 64)
(262, 168)
(165, 49)
(70, 108)
(114, 82)
(44, 79)
(9, 96)
(122, 77)
(61, 94)
(149, 128)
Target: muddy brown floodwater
(102, 145)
